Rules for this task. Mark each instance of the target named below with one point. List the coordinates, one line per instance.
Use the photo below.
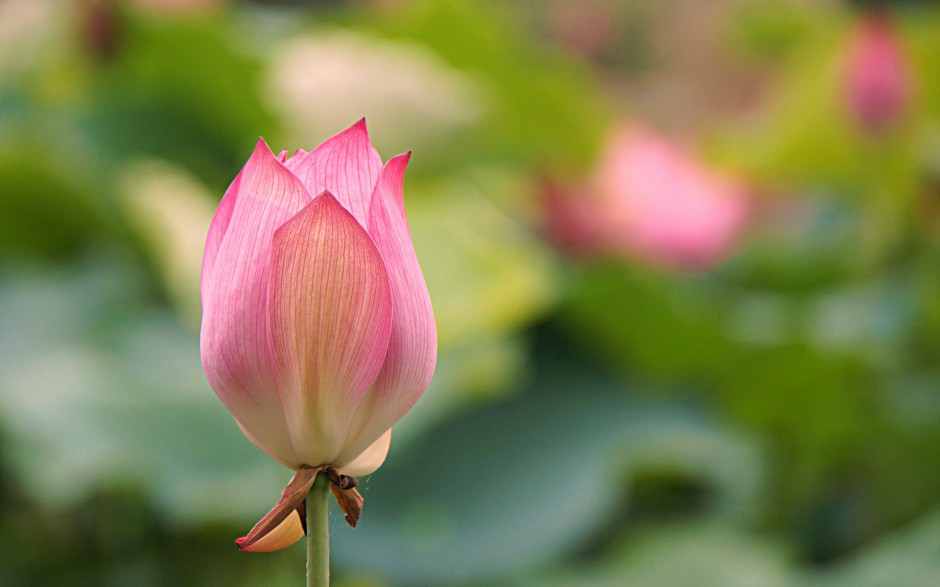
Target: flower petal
(217, 229)
(289, 531)
(274, 530)
(330, 313)
(371, 459)
(345, 165)
(233, 339)
(412, 347)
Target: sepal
(292, 498)
(278, 529)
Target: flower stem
(318, 532)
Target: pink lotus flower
(650, 200)
(878, 80)
(317, 329)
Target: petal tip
(262, 149)
(329, 198)
(396, 167)
(360, 128)
(397, 164)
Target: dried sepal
(292, 498)
(349, 500)
(281, 531)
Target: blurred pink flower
(317, 329)
(649, 200)
(878, 79)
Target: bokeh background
(684, 257)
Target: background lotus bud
(317, 329)
(878, 80)
(650, 200)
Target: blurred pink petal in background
(878, 79)
(649, 200)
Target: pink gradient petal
(345, 165)
(217, 229)
(233, 338)
(330, 315)
(372, 458)
(412, 347)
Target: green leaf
(179, 90)
(545, 107)
(705, 554)
(519, 483)
(95, 388)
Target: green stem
(318, 532)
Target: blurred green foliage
(772, 421)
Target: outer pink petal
(330, 312)
(412, 347)
(217, 229)
(372, 458)
(233, 339)
(345, 165)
